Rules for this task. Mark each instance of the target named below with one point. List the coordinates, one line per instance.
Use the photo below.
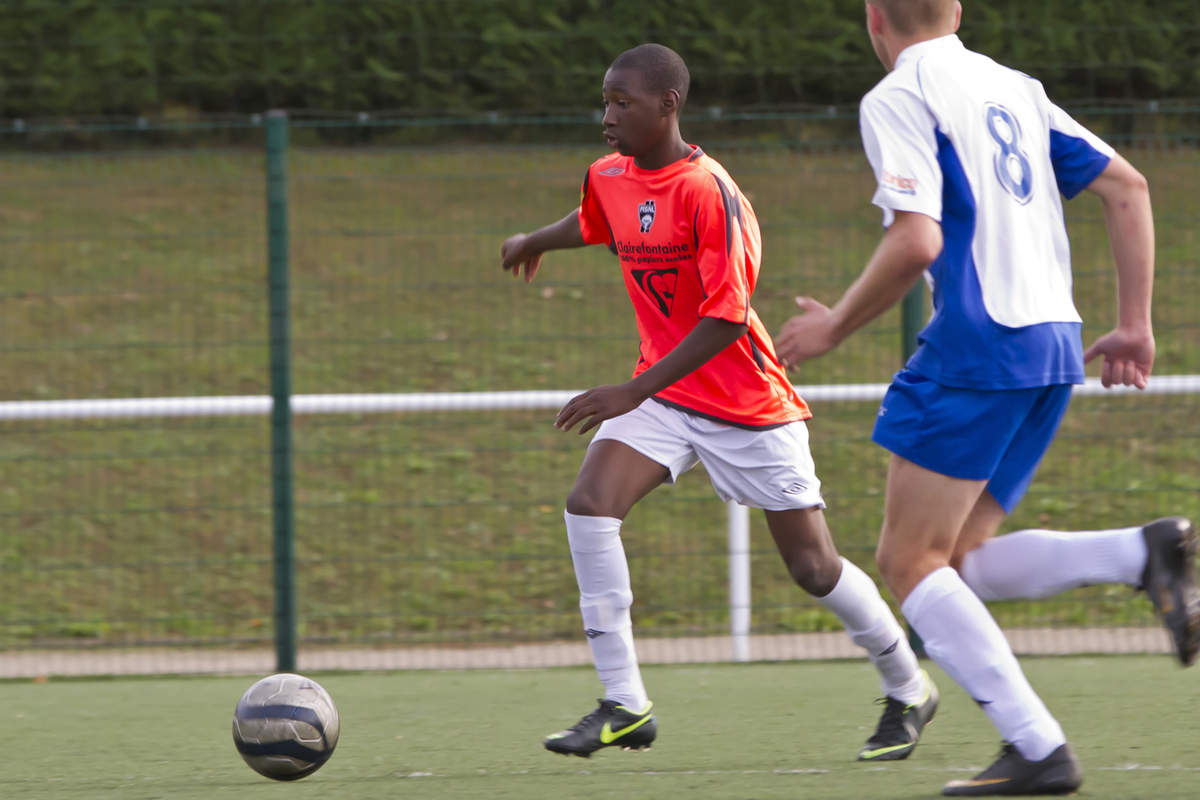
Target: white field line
(898, 768)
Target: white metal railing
(738, 519)
(257, 405)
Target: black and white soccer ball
(286, 726)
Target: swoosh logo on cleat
(869, 754)
(979, 782)
(608, 736)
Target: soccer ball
(285, 726)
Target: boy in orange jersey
(707, 388)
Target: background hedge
(163, 57)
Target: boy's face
(635, 119)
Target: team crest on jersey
(659, 285)
(646, 215)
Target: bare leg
(611, 479)
(924, 514)
(982, 523)
(803, 539)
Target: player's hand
(516, 256)
(806, 335)
(596, 405)
(1128, 357)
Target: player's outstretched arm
(908, 248)
(522, 252)
(1128, 349)
(710, 336)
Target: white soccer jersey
(980, 148)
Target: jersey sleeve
(898, 134)
(721, 252)
(1078, 155)
(592, 222)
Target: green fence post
(912, 318)
(281, 392)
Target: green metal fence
(141, 262)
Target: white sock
(1036, 563)
(963, 639)
(869, 622)
(604, 600)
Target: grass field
(745, 732)
(140, 272)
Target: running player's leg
(932, 492)
(1051, 562)
(773, 470)
(1158, 557)
(612, 478)
(807, 548)
(629, 456)
(911, 698)
(1036, 563)
(924, 513)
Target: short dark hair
(660, 66)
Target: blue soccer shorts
(979, 435)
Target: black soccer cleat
(900, 726)
(610, 725)
(1169, 580)
(1013, 774)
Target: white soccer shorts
(770, 468)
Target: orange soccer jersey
(689, 247)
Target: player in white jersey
(970, 159)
